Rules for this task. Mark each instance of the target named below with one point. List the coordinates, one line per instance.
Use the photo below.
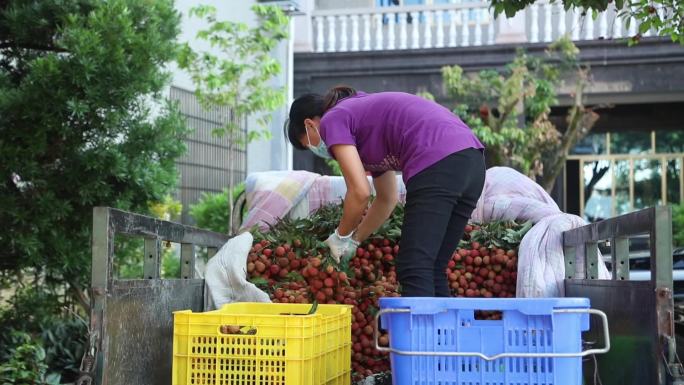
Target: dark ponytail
(336, 94)
(309, 106)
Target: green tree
(78, 81)
(666, 17)
(236, 74)
(509, 110)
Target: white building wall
(303, 35)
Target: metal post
(570, 255)
(620, 257)
(187, 261)
(661, 247)
(661, 272)
(592, 256)
(101, 274)
(152, 259)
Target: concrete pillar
(303, 27)
(512, 30)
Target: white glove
(341, 247)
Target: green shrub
(211, 211)
(678, 225)
(64, 340)
(26, 363)
(36, 332)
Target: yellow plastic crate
(272, 347)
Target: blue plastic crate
(528, 325)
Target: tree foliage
(509, 110)
(26, 364)
(678, 225)
(78, 82)
(37, 337)
(666, 17)
(236, 74)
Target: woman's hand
(341, 248)
(358, 188)
(385, 201)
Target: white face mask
(321, 150)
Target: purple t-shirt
(396, 131)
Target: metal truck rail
(131, 324)
(641, 313)
(131, 321)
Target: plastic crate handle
(605, 349)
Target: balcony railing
(458, 25)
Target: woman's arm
(385, 201)
(358, 189)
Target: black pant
(439, 202)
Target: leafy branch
(509, 110)
(665, 17)
(236, 81)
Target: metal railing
(641, 312)
(131, 320)
(204, 168)
(623, 172)
(456, 25)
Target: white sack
(510, 195)
(226, 274)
